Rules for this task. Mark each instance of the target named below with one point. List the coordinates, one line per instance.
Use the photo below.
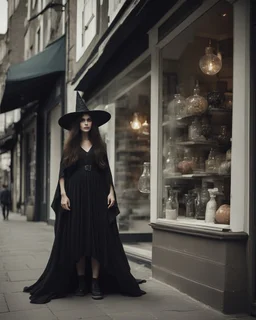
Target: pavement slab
(20, 301)
(3, 304)
(36, 314)
(24, 251)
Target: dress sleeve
(113, 211)
(62, 169)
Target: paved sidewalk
(24, 251)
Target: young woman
(87, 254)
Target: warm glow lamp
(135, 123)
(210, 63)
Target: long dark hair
(72, 146)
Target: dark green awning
(32, 79)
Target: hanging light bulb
(145, 128)
(210, 63)
(135, 123)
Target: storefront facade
(203, 113)
(183, 105)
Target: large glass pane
(197, 86)
(128, 139)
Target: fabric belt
(88, 167)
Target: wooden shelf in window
(196, 176)
(196, 143)
(139, 150)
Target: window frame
(81, 41)
(239, 169)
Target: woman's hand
(111, 200)
(65, 202)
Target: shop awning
(30, 80)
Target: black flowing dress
(89, 230)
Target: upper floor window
(86, 25)
(114, 7)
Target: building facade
(176, 79)
(35, 85)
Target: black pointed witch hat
(99, 117)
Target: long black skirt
(85, 231)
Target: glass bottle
(195, 130)
(211, 206)
(196, 104)
(165, 198)
(223, 136)
(177, 107)
(171, 160)
(201, 201)
(144, 180)
(172, 205)
(190, 205)
(210, 163)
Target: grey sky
(3, 16)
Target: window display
(128, 139)
(197, 120)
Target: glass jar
(177, 107)
(215, 99)
(186, 166)
(172, 205)
(225, 167)
(196, 104)
(223, 136)
(144, 180)
(228, 155)
(206, 130)
(210, 163)
(195, 130)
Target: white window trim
(33, 4)
(240, 130)
(29, 9)
(111, 12)
(80, 49)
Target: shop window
(86, 24)
(197, 90)
(127, 136)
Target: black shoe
(82, 289)
(96, 292)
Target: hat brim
(99, 118)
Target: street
(24, 250)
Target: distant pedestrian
(87, 254)
(5, 199)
